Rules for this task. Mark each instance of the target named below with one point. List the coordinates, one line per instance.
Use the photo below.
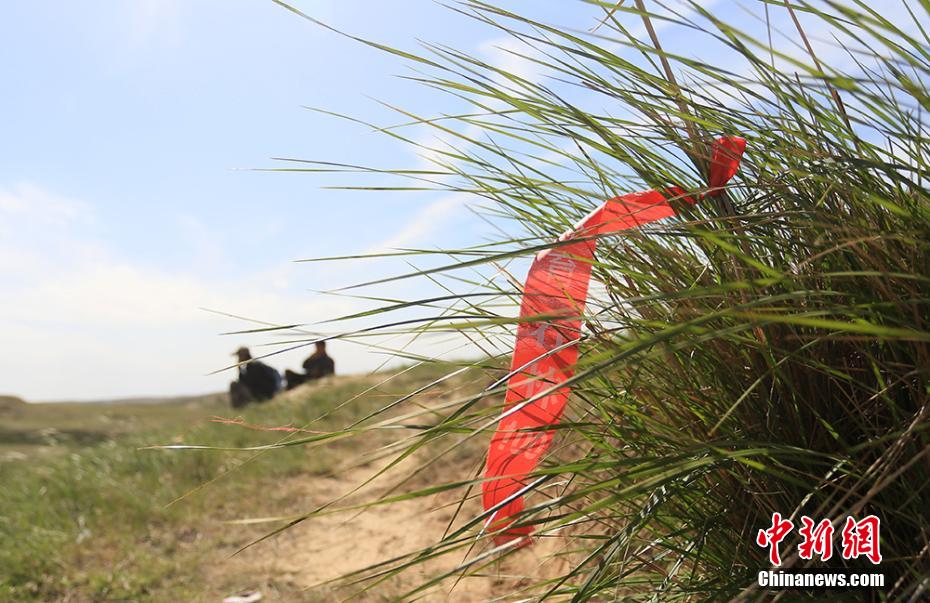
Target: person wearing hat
(318, 365)
(257, 381)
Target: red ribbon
(546, 349)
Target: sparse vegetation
(89, 520)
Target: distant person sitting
(257, 381)
(316, 366)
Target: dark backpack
(262, 379)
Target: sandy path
(327, 547)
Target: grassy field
(31, 430)
(85, 511)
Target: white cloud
(506, 53)
(82, 321)
(27, 199)
(425, 225)
(514, 56)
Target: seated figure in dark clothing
(316, 366)
(257, 381)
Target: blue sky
(127, 202)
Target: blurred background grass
(85, 511)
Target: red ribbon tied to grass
(546, 349)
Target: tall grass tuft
(766, 351)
